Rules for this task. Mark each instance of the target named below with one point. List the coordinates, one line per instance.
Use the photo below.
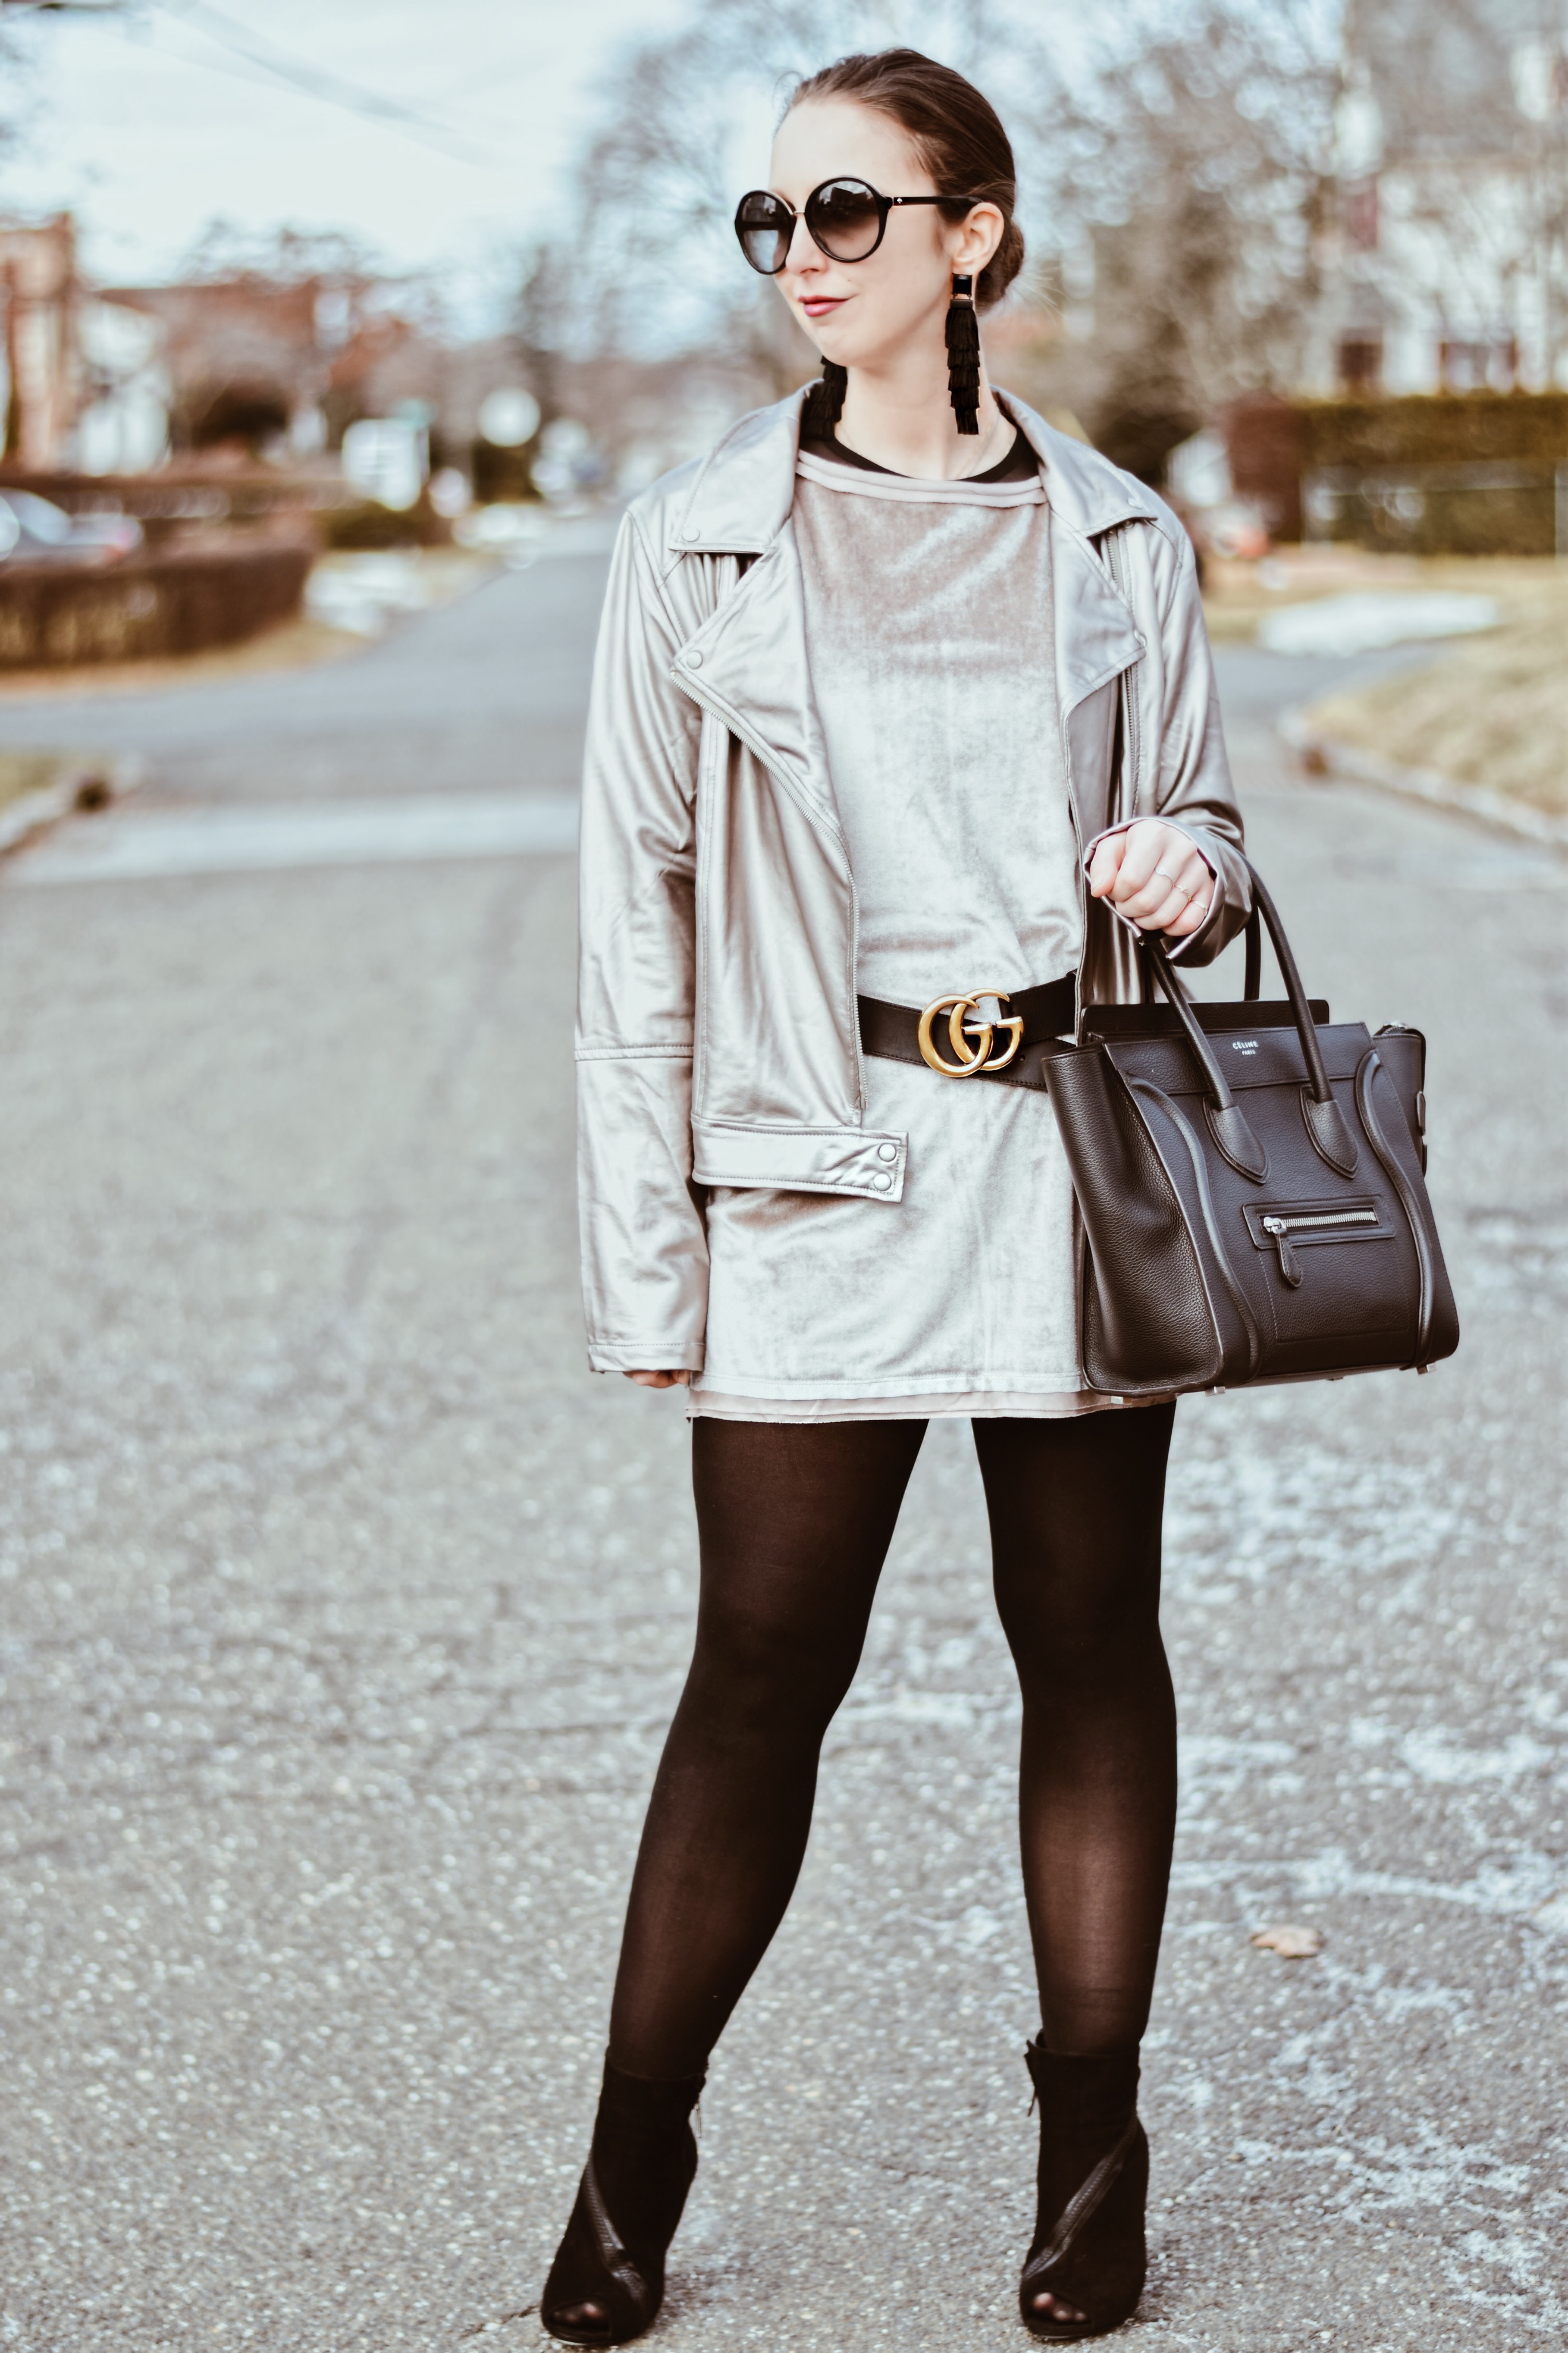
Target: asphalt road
(341, 1612)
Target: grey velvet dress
(928, 635)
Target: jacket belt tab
(800, 1159)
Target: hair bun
(1003, 267)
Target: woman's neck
(904, 420)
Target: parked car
(35, 531)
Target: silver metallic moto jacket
(717, 1037)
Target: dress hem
(983, 1405)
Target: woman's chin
(836, 340)
(830, 346)
(843, 350)
(846, 348)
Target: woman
(903, 703)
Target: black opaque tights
(794, 1521)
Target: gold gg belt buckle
(971, 1058)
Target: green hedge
(1437, 518)
(1468, 429)
(1474, 473)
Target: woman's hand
(1152, 874)
(660, 1380)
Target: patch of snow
(363, 593)
(1371, 619)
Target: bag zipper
(1281, 1226)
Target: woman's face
(860, 312)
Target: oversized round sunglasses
(847, 220)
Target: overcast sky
(146, 125)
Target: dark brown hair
(955, 133)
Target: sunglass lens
(763, 226)
(845, 218)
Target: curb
(1326, 756)
(89, 785)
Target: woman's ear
(977, 239)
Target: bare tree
(1189, 175)
(226, 253)
(17, 77)
(544, 325)
(285, 256)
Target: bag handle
(1227, 1123)
(1312, 1052)
(1172, 987)
(1325, 1123)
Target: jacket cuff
(654, 1355)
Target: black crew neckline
(1018, 465)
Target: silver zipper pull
(1289, 1264)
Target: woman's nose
(803, 252)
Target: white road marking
(151, 844)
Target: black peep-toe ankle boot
(640, 2166)
(1088, 2249)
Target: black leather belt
(958, 1037)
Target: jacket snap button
(692, 531)
(694, 659)
(887, 1152)
(883, 1184)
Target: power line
(333, 88)
(257, 51)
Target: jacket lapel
(1096, 637)
(748, 661)
(751, 666)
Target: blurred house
(125, 394)
(1443, 255)
(248, 361)
(40, 299)
(82, 382)
(279, 366)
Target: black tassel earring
(964, 356)
(825, 402)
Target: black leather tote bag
(1251, 1180)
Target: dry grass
(32, 772)
(1490, 711)
(94, 778)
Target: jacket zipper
(1280, 1228)
(1125, 737)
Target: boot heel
(607, 2284)
(1088, 2248)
